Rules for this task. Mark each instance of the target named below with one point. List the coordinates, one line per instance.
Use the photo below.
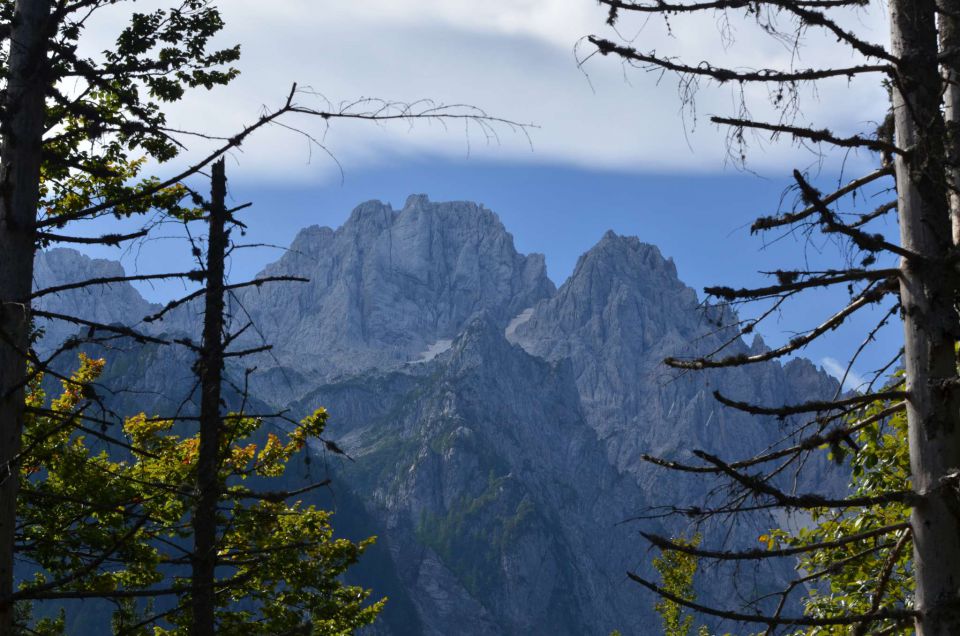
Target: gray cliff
(620, 314)
(107, 304)
(388, 285)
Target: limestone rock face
(388, 285)
(106, 304)
(621, 313)
(486, 478)
(495, 423)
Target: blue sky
(612, 148)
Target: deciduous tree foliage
(73, 132)
(278, 560)
(873, 572)
(677, 571)
(914, 278)
(170, 532)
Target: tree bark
(928, 288)
(20, 154)
(949, 23)
(211, 370)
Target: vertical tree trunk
(210, 369)
(949, 23)
(20, 151)
(928, 288)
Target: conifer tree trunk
(928, 289)
(949, 27)
(211, 368)
(20, 151)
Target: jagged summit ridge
(612, 280)
(619, 315)
(106, 304)
(388, 284)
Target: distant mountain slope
(495, 423)
(495, 493)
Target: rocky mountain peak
(310, 239)
(621, 289)
(62, 262)
(387, 286)
(416, 201)
(620, 314)
(626, 259)
(107, 304)
(369, 219)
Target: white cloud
(515, 59)
(853, 381)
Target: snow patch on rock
(434, 350)
(519, 319)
